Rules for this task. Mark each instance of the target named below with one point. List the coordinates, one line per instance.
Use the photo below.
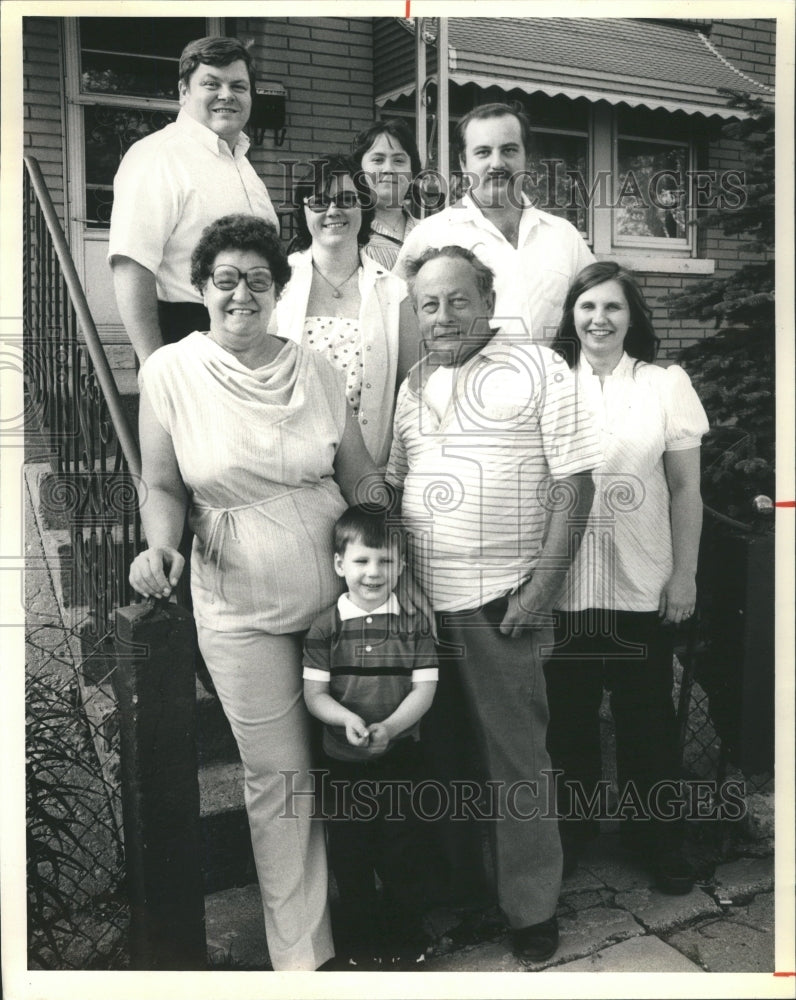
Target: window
(622, 176)
(128, 69)
(650, 179)
(554, 159)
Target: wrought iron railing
(74, 399)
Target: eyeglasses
(320, 203)
(226, 278)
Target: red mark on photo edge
(786, 503)
(785, 973)
(407, 8)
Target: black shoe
(672, 873)
(358, 962)
(409, 954)
(536, 943)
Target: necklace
(336, 293)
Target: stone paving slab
(659, 912)
(729, 945)
(236, 929)
(591, 930)
(638, 954)
(745, 877)
(494, 956)
(606, 861)
(758, 914)
(571, 903)
(581, 880)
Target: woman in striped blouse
(387, 154)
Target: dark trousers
(486, 731)
(630, 655)
(373, 829)
(178, 319)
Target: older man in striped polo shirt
(492, 454)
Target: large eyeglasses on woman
(321, 203)
(226, 278)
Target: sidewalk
(611, 919)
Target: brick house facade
(331, 69)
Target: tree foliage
(733, 371)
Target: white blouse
(640, 411)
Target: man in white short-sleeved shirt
(491, 457)
(534, 255)
(172, 184)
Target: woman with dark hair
(632, 578)
(344, 305)
(386, 153)
(251, 435)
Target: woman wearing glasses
(344, 305)
(251, 434)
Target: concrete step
(227, 858)
(214, 740)
(236, 930)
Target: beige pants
(258, 680)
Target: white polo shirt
(640, 411)
(478, 482)
(531, 280)
(169, 186)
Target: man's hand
(521, 614)
(678, 599)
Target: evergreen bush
(733, 371)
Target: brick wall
(326, 65)
(749, 45)
(43, 126)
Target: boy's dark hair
(373, 527)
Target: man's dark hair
(491, 111)
(484, 276)
(214, 51)
(239, 232)
(373, 527)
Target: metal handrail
(77, 295)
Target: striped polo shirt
(370, 660)
(478, 480)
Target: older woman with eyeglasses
(344, 305)
(252, 435)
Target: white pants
(258, 680)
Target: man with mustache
(533, 254)
(172, 184)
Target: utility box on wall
(268, 112)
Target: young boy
(370, 677)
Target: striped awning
(620, 60)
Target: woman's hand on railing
(149, 569)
